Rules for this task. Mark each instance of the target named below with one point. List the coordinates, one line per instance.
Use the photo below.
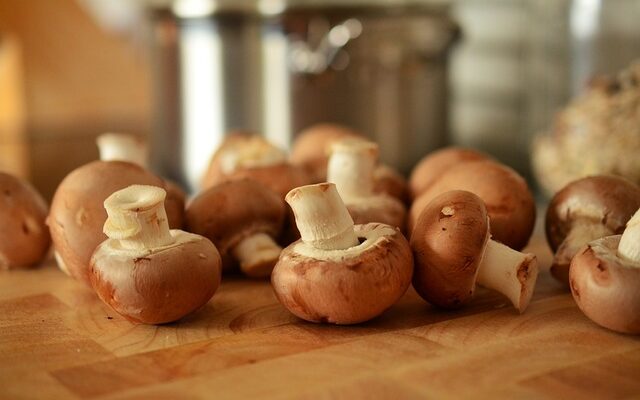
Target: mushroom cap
(381, 208)
(174, 204)
(234, 210)
(388, 181)
(436, 163)
(507, 198)
(239, 147)
(604, 199)
(24, 237)
(280, 178)
(77, 213)
(345, 286)
(312, 147)
(448, 244)
(605, 286)
(157, 286)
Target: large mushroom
(126, 147)
(434, 164)
(351, 168)
(77, 213)
(605, 279)
(339, 273)
(506, 195)
(453, 251)
(24, 237)
(145, 271)
(584, 210)
(313, 146)
(242, 218)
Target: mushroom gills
(509, 272)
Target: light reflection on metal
(276, 92)
(193, 8)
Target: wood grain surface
(57, 341)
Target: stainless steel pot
(276, 68)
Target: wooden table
(57, 340)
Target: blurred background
(413, 75)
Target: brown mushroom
(24, 237)
(584, 210)
(126, 147)
(453, 250)
(390, 182)
(146, 272)
(77, 215)
(505, 193)
(242, 218)
(351, 168)
(605, 280)
(433, 165)
(339, 273)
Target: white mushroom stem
(255, 152)
(629, 246)
(351, 167)
(122, 147)
(137, 218)
(321, 217)
(256, 251)
(509, 272)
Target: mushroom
(24, 237)
(508, 200)
(125, 147)
(351, 168)
(312, 147)
(584, 210)
(339, 273)
(605, 279)
(453, 250)
(434, 164)
(241, 217)
(77, 214)
(146, 272)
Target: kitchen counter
(57, 340)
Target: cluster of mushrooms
(340, 235)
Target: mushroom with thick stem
(584, 210)
(146, 272)
(434, 164)
(77, 214)
(242, 218)
(126, 147)
(24, 237)
(605, 279)
(453, 251)
(506, 195)
(351, 168)
(339, 273)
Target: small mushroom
(24, 237)
(584, 210)
(146, 272)
(125, 147)
(434, 164)
(605, 279)
(242, 218)
(351, 168)
(390, 182)
(77, 213)
(339, 273)
(506, 195)
(453, 251)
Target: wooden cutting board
(57, 340)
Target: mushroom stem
(509, 272)
(351, 167)
(580, 234)
(629, 246)
(122, 147)
(257, 254)
(255, 152)
(137, 218)
(321, 217)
